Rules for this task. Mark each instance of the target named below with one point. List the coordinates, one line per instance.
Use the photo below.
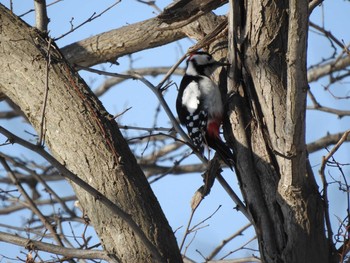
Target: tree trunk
(80, 135)
(267, 86)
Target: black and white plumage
(199, 105)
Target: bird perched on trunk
(199, 105)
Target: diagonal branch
(31, 203)
(336, 64)
(183, 9)
(67, 252)
(325, 142)
(98, 195)
(110, 82)
(108, 46)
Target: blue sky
(175, 192)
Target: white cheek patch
(190, 98)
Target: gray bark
(81, 136)
(268, 85)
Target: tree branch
(67, 252)
(41, 18)
(339, 113)
(325, 141)
(184, 10)
(15, 208)
(30, 202)
(96, 194)
(315, 73)
(108, 46)
(110, 82)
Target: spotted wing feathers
(196, 125)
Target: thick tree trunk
(268, 87)
(80, 135)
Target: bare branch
(313, 4)
(166, 149)
(14, 208)
(150, 3)
(225, 241)
(337, 64)
(41, 18)
(183, 9)
(98, 195)
(32, 10)
(327, 34)
(30, 202)
(8, 114)
(334, 149)
(43, 107)
(325, 141)
(110, 82)
(238, 260)
(158, 93)
(339, 113)
(67, 252)
(108, 46)
(325, 186)
(91, 18)
(153, 169)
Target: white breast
(190, 97)
(212, 96)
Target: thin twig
(187, 231)
(196, 227)
(158, 93)
(171, 71)
(14, 208)
(227, 240)
(328, 34)
(325, 185)
(239, 248)
(115, 209)
(39, 179)
(69, 252)
(339, 113)
(32, 10)
(110, 82)
(336, 147)
(136, 128)
(31, 203)
(151, 3)
(46, 93)
(120, 114)
(91, 18)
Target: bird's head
(202, 63)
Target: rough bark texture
(80, 135)
(268, 87)
(108, 46)
(267, 96)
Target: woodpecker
(199, 105)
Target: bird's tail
(223, 151)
